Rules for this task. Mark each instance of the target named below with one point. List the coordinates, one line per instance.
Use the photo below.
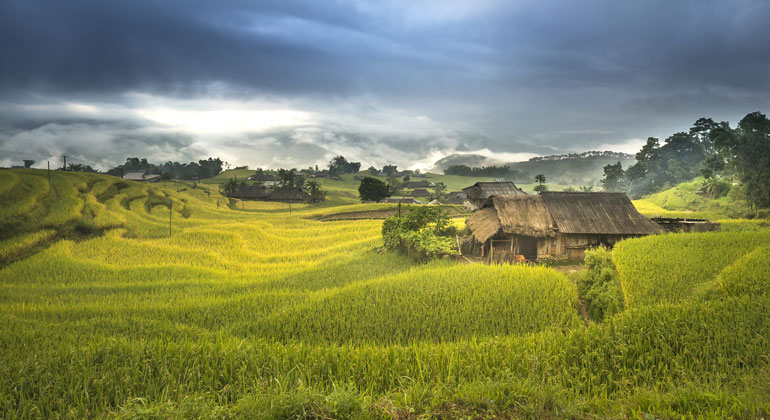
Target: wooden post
(65, 162)
(49, 176)
(170, 206)
(491, 249)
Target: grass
(673, 267)
(257, 313)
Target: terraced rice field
(252, 312)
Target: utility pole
(65, 162)
(170, 205)
(49, 175)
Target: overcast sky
(292, 83)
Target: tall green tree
(541, 187)
(315, 191)
(439, 191)
(287, 177)
(372, 189)
(339, 166)
(746, 151)
(614, 177)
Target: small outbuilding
(250, 192)
(141, 177)
(671, 224)
(560, 225)
(456, 197)
(400, 200)
(289, 195)
(420, 192)
(481, 193)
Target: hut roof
(482, 190)
(524, 215)
(420, 192)
(250, 191)
(456, 197)
(289, 194)
(403, 200)
(484, 224)
(140, 176)
(571, 213)
(597, 213)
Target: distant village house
(141, 177)
(480, 194)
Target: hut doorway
(527, 247)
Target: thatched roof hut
(402, 200)
(480, 193)
(289, 195)
(250, 192)
(558, 224)
(456, 197)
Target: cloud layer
(285, 83)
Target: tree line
(171, 170)
(721, 154)
(485, 171)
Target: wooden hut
(250, 192)
(560, 225)
(456, 197)
(420, 192)
(481, 193)
(289, 195)
(676, 224)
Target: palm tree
(540, 188)
(315, 191)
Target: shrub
(599, 285)
(424, 233)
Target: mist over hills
(567, 169)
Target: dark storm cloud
(526, 76)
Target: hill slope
(118, 319)
(573, 169)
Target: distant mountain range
(574, 169)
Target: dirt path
(570, 269)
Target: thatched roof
(140, 176)
(524, 215)
(456, 197)
(484, 190)
(253, 192)
(597, 213)
(484, 224)
(571, 213)
(289, 194)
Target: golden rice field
(251, 311)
